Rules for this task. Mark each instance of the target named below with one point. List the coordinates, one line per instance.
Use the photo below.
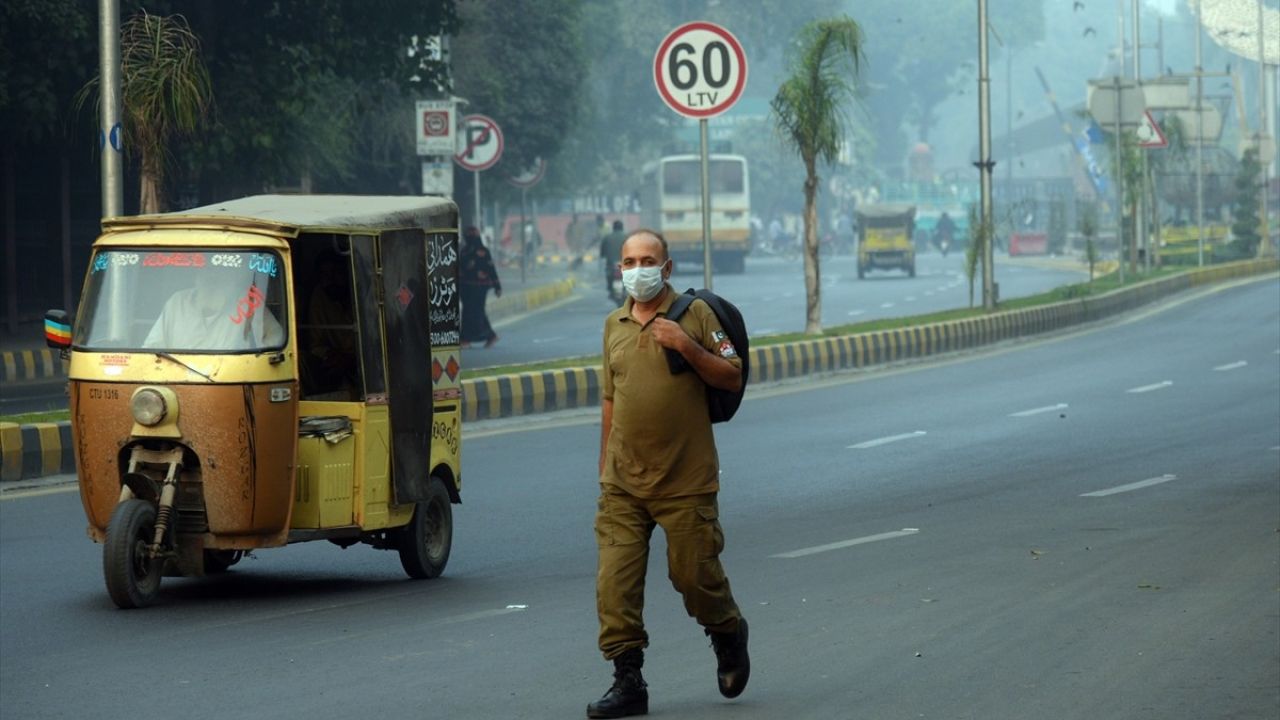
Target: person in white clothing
(216, 313)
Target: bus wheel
(133, 578)
(424, 543)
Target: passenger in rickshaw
(216, 313)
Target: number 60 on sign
(700, 70)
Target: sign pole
(1119, 178)
(706, 206)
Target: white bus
(671, 203)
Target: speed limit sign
(700, 69)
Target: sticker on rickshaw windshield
(174, 259)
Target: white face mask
(643, 283)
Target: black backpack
(722, 404)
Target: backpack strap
(675, 361)
(680, 305)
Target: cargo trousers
(624, 525)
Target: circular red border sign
(661, 81)
(466, 138)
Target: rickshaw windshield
(202, 301)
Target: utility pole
(1140, 225)
(1199, 143)
(985, 165)
(110, 131)
(1263, 127)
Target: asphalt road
(771, 296)
(1079, 527)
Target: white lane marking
(911, 298)
(886, 305)
(1231, 366)
(904, 532)
(886, 440)
(1037, 411)
(857, 312)
(1131, 486)
(928, 293)
(1149, 388)
(539, 341)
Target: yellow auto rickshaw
(264, 371)
(884, 238)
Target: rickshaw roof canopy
(886, 214)
(293, 214)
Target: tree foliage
(165, 91)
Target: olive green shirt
(661, 444)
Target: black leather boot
(629, 694)
(733, 665)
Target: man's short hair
(666, 253)
(617, 224)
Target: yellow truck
(884, 239)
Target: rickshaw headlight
(149, 407)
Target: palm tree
(810, 119)
(166, 90)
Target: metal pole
(1008, 111)
(1120, 244)
(1263, 127)
(110, 132)
(524, 240)
(985, 165)
(1199, 144)
(706, 206)
(1140, 224)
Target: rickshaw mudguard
(239, 443)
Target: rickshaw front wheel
(424, 543)
(133, 577)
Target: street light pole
(110, 131)
(985, 164)
(1199, 144)
(1263, 127)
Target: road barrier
(545, 391)
(46, 448)
(28, 365)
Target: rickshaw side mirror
(57, 329)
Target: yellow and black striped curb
(546, 391)
(46, 448)
(27, 365)
(531, 299)
(35, 450)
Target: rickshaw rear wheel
(133, 578)
(424, 543)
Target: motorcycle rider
(610, 256)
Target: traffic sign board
(1116, 100)
(531, 176)
(480, 145)
(1149, 133)
(434, 127)
(700, 69)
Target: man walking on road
(658, 467)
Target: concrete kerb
(46, 448)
